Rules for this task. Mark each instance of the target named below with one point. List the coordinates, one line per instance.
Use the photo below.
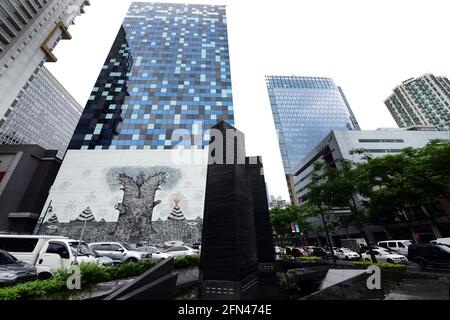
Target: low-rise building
(339, 144)
(26, 175)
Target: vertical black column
(229, 251)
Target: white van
(47, 253)
(400, 246)
(25, 248)
(61, 254)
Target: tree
(281, 219)
(412, 179)
(334, 187)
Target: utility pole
(79, 242)
(49, 209)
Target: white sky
(367, 47)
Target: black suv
(433, 255)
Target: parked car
(367, 248)
(288, 250)
(119, 252)
(441, 241)
(103, 260)
(346, 254)
(181, 251)
(13, 271)
(399, 246)
(300, 252)
(320, 252)
(154, 252)
(384, 256)
(25, 248)
(434, 255)
(197, 247)
(279, 250)
(309, 249)
(62, 253)
(353, 244)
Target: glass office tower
(168, 69)
(305, 110)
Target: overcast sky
(367, 47)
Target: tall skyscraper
(305, 110)
(168, 68)
(29, 30)
(44, 113)
(421, 101)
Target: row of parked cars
(25, 258)
(434, 254)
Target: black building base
(229, 290)
(237, 246)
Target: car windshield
(128, 247)
(346, 250)
(96, 254)
(83, 249)
(6, 258)
(148, 249)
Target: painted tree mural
(140, 187)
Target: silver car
(119, 252)
(155, 252)
(103, 260)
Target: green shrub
(309, 259)
(94, 273)
(186, 262)
(91, 273)
(37, 288)
(383, 265)
(285, 257)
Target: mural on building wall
(126, 195)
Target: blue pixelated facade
(168, 69)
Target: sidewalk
(420, 289)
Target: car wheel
(131, 260)
(346, 258)
(389, 261)
(44, 275)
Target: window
(381, 140)
(400, 245)
(59, 249)
(177, 249)
(392, 245)
(6, 258)
(115, 247)
(384, 245)
(18, 244)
